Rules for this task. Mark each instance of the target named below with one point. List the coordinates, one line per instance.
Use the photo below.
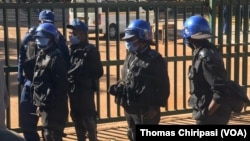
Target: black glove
(116, 89)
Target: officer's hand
(116, 89)
(150, 113)
(21, 80)
(112, 89)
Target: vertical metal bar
(17, 48)
(6, 49)
(107, 57)
(237, 41)
(212, 17)
(97, 43)
(118, 51)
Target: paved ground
(116, 131)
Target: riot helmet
(196, 27)
(45, 33)
(46, 16)
(139, 28)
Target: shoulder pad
(153, 54)
(89, 47)
(204, 52)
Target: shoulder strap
(199, 55)
(196, 60)
(89, 47)
(153, 54)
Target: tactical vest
(77, 69)
(234, 94)
(42, 86)
(77, 59)
(138, 81)
(193, 73)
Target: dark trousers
(134, 119)
(54, 119)
(83, 114)
(86, 127)
(28, 117)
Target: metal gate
(169, 16)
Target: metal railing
(18, 17)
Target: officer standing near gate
(26, 62)
(85, 70)
(207, 74)
(50, 86)
(144, 87)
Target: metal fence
(168, 18)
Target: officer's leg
(91, 128)
(155, 120)
(79, 127)
(53, 122)
(132, 120)
(28, 118)
(76, 116)
(51, 135)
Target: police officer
(26, 63)
(50, 86)
(207, 74)
(85, 69)
(47, 16)
(144, 87)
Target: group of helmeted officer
(46, 72)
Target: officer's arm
(214, 74)
(59, 72)
(21, 58)
(213, 106)
(162, 82)
(94, 65)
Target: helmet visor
(129, 34)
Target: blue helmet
(139, 28)
(47, 16)
(196, 27)
(47, 30)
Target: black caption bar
(222, 132)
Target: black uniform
(145, 84)
(208, 79)
(50, 87)
(85, 70)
